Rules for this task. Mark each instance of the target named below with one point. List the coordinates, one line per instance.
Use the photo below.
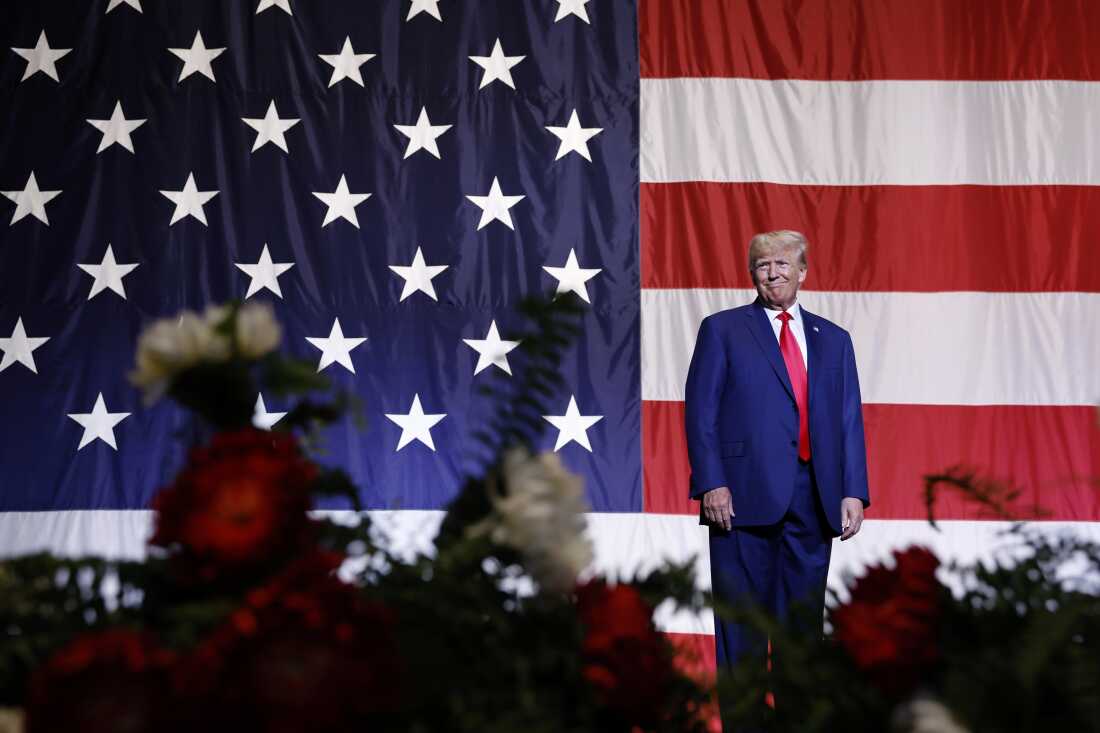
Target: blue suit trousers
(773, 567)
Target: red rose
(239, 501)
(626, 660)
(304, 652)
(116, 680)
(890, 627)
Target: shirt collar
(795, 311)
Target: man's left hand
(851, 517)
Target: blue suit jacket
(742, 420)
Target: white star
(422, 135)
(283, 5)
(495, 206)
(572, 425)
(431, 7)
(416, 425)
(116, 130)
(30, 201)
(573, 277)
(270, 129)
(572, 7)
(41, 58)
(491, 350)
(108, 274)
(135, 4)
(345, 65)
(574, 138)
(20, 348)
(264, 274)
(336, 347)
(189, 201)
(497, 66)
(418, 276)
(341, 203)
(198, 58)
(261, 418)
(99, 423)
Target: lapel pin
(816, 328)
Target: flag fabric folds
(392, 177)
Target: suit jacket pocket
(733, 450)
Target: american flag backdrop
(393, 176)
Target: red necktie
(796, 370)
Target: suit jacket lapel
(761, 329)
(813, 346)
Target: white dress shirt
(797, 328)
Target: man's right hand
(718, 507)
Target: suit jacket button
(794, 443)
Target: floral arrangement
(249, 613)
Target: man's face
(777, 276)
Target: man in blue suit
(775, 439)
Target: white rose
(541, 515)
(201, 338)
(11, 720)
(924, 714)
(258, 332)
(216, 315)
(168, 346)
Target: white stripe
(628, 543)
(120, 534)
(914, 348)
(111, 534)
(870, 132)
(625, 544)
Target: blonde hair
(781, 239)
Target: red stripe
(857, 39)
(1051, 453)
(881, 238)
(696, 657)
